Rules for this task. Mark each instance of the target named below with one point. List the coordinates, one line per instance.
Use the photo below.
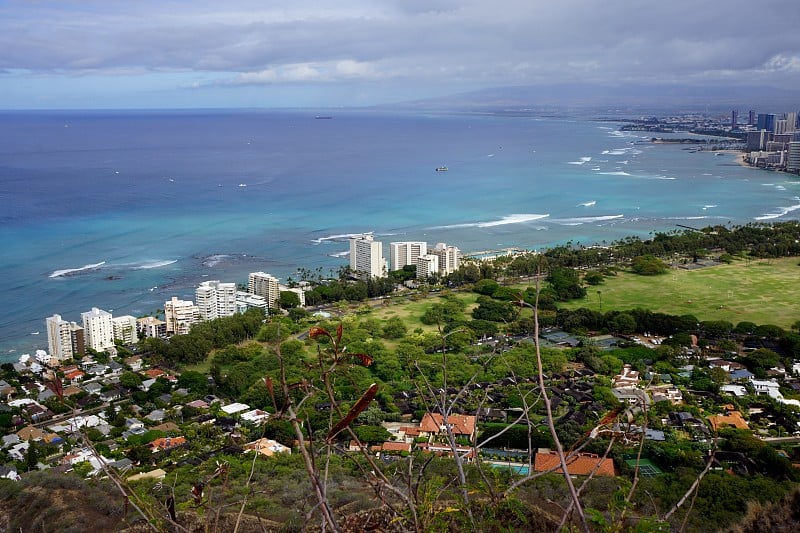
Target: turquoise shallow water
(159, 201)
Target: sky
(75, 54)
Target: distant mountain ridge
(615, 99)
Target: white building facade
(366, 257)
(405, 253)
(125, 329)
(427, 266)
(98, 327)
(180, 315)
(449, 258)
(59, 337)
(215, 299)
(266, 286)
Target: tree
(372, 434)
(289, 300)
(298, 313)
(565, 284)
(394, 328)
(130, 380)
(648, 265)
(196, 382)
(31, 456)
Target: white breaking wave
(580, 161)
(782, 211)
(157, 264)
(587, 204)
(68, 271)
(340, 237)
(340, 254)
(214, 260)
(577, 221)
(617, 173)
(510, 219)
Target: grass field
(763, 292)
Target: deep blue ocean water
(157, 202)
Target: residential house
(167, 443)
(433, 425)
(392, 448)
(134, 362)
(266, 447)
(581, 464)
(730, 418)
(627, 379)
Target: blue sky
(317, 53)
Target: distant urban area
(768, 140)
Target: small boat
(442, 169)
(323, 117)
(242, 185)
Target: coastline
(511, 184)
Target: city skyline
(308, 54)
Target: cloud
(427, 43)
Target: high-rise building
(216, 299)
(150, 326)
(405, 253)
(98, 327)
(766, 121)
(791, 122)
(751, 118)
(793, 157)
(180, 315)
(78, 340)
(427, 266)
(125, 329)
(59, 337)
(756, 140)
(449, 258)
(266, 286)
(734, 119)
(248, 300)
(366, 257)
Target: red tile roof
(461, 424)
(577, 465)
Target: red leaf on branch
(363, 358)
(316, 331)
(339, 334)
(354, 411)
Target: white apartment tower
(405, 253)
(427, 266)
(125, 329)
(266, 286)
(59, 337)
(449, 258)
(366, 257)
(98, 327)
(216, 299)
(180, 315)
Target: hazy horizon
(308, 54)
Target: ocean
(123, 210)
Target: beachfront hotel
(449, 258)
(266, 286)
(427, 266)
(98, 327)
(180, 315)
(215, 299)
(405, 253)
(125, 329)
(59, 337)
(366, 257)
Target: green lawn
(763, 292)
